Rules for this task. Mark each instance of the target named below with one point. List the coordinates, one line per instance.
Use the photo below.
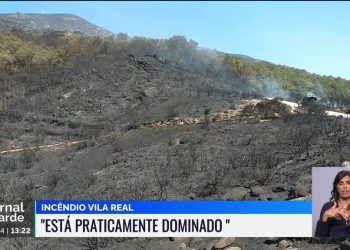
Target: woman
(335, 215)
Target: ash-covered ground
(137, 127)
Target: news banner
(81, 218)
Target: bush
(73, 125)
(2, 192)
(8, 164)
(137, 189)
(27, 158)
(172, 111)
(95, 243)
(205, 124)
(316, 109)
(162, 178)
(52, 181)
(117, 146)
(272, 108)
(218, 177)
(267, 109)
(248, 110)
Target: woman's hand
(333, 212)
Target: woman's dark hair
(338, 177)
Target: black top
(335, 228)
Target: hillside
(7, 26)
(245, 75)
(60, 22)
(137, 118)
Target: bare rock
(238, 193)
(257, 191)
(185, 240)
(199, 243)
(181, 246)
(192, 196)
(233, 248)
(224, 242)
(278, 189)
(346, 164)
(300, 190)
(284, 244)
(211, 245)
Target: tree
(122, 36)
(180, 50)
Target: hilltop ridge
(61, 22)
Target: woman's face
(343, 187)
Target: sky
(308, 35)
